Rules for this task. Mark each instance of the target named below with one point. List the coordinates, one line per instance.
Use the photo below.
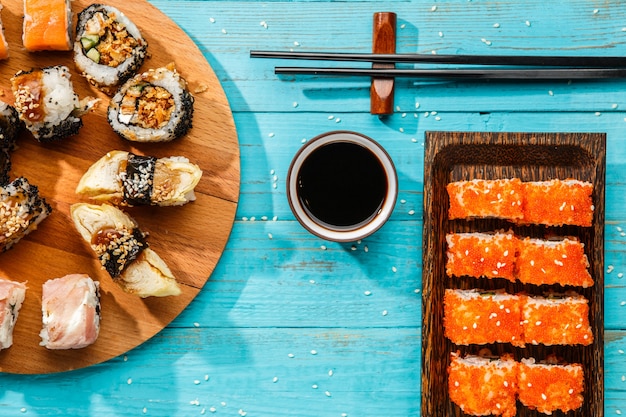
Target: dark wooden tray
(455, 156)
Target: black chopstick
(517, 60)
(518, 73)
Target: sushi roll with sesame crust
(126, 179)
(109, 48)
(46, 102)
(123, 251)
(155, 106)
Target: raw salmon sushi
(548, 387)
(47, 25)
(501, 198)
(490, 255)
(553, 262)
(71, 312)
(4, 46)
(557, 320)
(558, 202)
(483, 386)
(11, 298)
(480, 317)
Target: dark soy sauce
(342, 185)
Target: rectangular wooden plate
(455, 156)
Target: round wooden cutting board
(190, 238)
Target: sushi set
(120, 180)
(513, 268)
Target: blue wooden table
(290, 325)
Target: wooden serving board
(190, 238)
(456, 156)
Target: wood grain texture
(457, 156)
(190, 238)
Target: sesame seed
(328, 394)
(543, 396)
(367, 293)
(330, 372)
(275, 379)
(313, 352)
(212, 409)
(291, 355)
(385, 312)
(434, 8)
(314, 386)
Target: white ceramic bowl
(343, 233)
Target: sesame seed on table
(289, 324)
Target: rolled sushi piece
(21, 211)
(10, 126)
(109, 48)
(11, 298)
(155, 106)
(47, 104)
(123, 251)
(70, 308)
(126, 179)
(47, 25)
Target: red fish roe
(486, 198)
(558, 202)
(475, 317)
(553, 262)
(490, 255)
(557, 320)
(483, 386)
(550, 387)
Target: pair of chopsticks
(521, 67)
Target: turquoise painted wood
(284, 326)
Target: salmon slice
(4, 46)
(47, 25)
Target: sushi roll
(558, 202)
(123, 251)
(557, 319)
(155, 106)
(550, 262)
(126, 179)
(10, 126)
(550, 386)
(70, 312)
(109, 48)
(47, 25)
(46, 102)
(482, 385)
(21, 211)
(11, 298)
(490, 255)
(501, 198)
(483, 317)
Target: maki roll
(46, 102)
(126, 179)
(70, 312)
(123, 251)
(109, 48)
(12, 296)
(21, 211)
(155, 106)
(10, 125)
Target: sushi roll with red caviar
(482, 317)
(490, 255)
(557, 319)
(70, 308)
(123, 251)
(558, 202)
(549, 386)
(482, 385)
(109, 48)
(550, 262)
(21, 211)
(46, 102)
(154, 106)
(478, 198)
(126, 179)
(12, 296)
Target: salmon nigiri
(47, 25)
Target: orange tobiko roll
(480, 198)
(558, 202)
